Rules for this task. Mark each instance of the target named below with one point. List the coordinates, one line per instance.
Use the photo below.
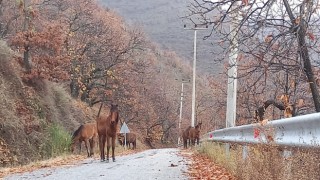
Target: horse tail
(76, 133)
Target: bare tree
(273, 36)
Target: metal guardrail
(301, 131)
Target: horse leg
(80, 146)
(108, 148)
(91, 146)
(113, 148)
(86, 145)
(101, 148)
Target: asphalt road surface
(159, 164)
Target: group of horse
(128, 140)
(191, 135)
(105, 130)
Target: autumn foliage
(93, 54)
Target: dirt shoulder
(201, 167)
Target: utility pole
(194, 71)
(181, 100)
(232, 73)
(232, 87)
(232, 78)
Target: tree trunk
(304, 53)
(26, 59)
(26, 54)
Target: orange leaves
(311, 36)
(297, 20)
(268, 39)
(45, 49)
(202, 167)
(288, 111)
(245, 2)
(300, 103)
(285, 99)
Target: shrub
(58, 141)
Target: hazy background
(162, 22)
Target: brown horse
(194, 134)
(88, 134)
(130, 139)
(185, 137)
(107, 131)
(191, 134)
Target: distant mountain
(161, 20)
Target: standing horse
(194, 134)
(107, 131)
(130, 138)
(185, 137)
(87, 133)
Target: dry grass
(265, 162)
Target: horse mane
(76, 133)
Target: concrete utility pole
(232, 87)
(181, 100)
(232, 74)
(194, 71)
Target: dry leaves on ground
(201, 167)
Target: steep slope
(27, 109)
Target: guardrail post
(244, 152)
(227, 149)
(287, 164)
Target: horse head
(114, 113)
(198, 126)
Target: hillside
(161, 20)
(28, 109)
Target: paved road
(159, 164)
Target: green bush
(58, 141)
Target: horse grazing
(87, 133)
(130, 139)
(107, 131)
